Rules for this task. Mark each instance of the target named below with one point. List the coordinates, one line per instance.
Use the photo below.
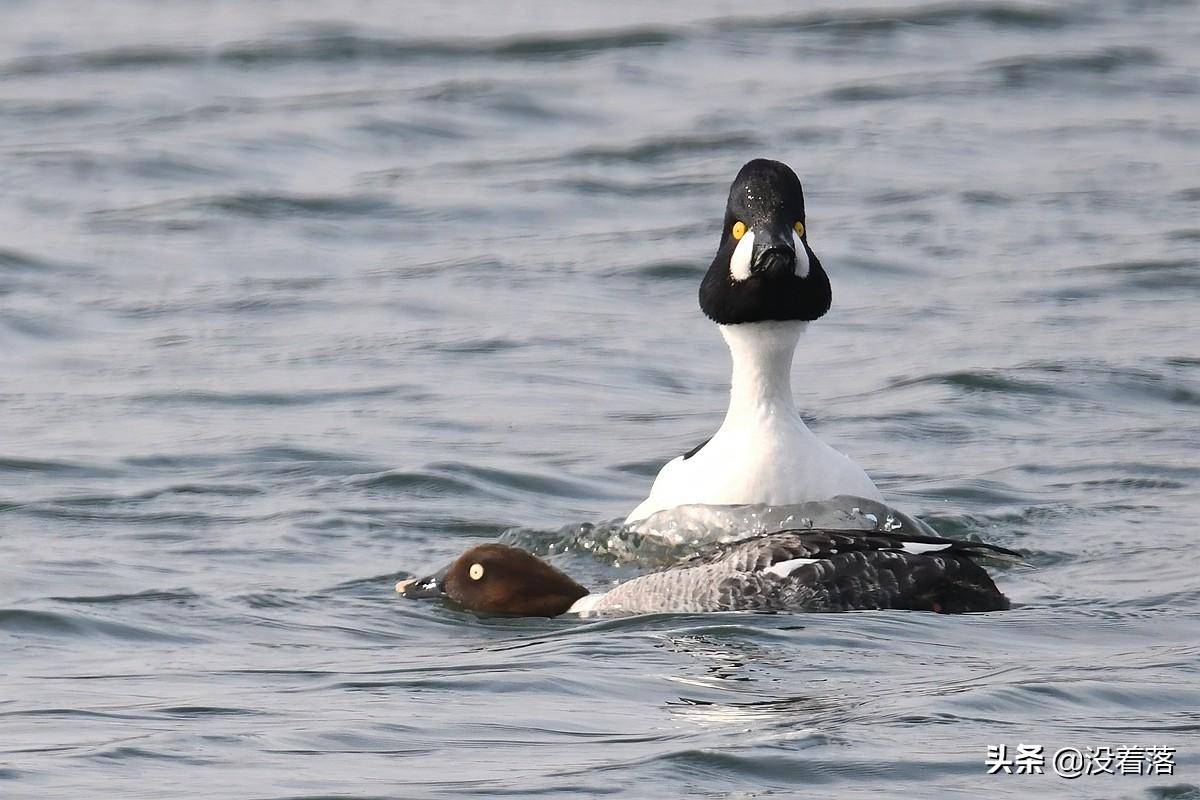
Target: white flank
(585, 604)
(785, 568)
(739, 262)
(916, 548)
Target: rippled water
(297, 299)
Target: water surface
(298, 299)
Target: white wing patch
(786, 568)
(801, 256)
(739, 262)
(916, 548)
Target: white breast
(763, 452)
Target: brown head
(498, 579)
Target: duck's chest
(763, 458)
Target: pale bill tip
(402, 585)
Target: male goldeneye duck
(798, 570)
(764, 286)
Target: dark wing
(948, 583)
(843, 570)
(764, 550)
(759, 552)
(696, 449)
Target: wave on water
(1024, 70)
(669, 535)
(322, 48)
(54, 624)
(195, 213)
(884, 22)
(303, 299)
(462, 480)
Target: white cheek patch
(801, 256)
(739, 263)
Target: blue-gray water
(297, 299)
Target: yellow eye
(476, 571)
(799, 228)
(739, 230)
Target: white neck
(762, 369)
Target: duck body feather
(816, 570)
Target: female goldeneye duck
(763, 288)
(801, 570)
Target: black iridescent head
(764, 268)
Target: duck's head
(764, 269)
(498, 579)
